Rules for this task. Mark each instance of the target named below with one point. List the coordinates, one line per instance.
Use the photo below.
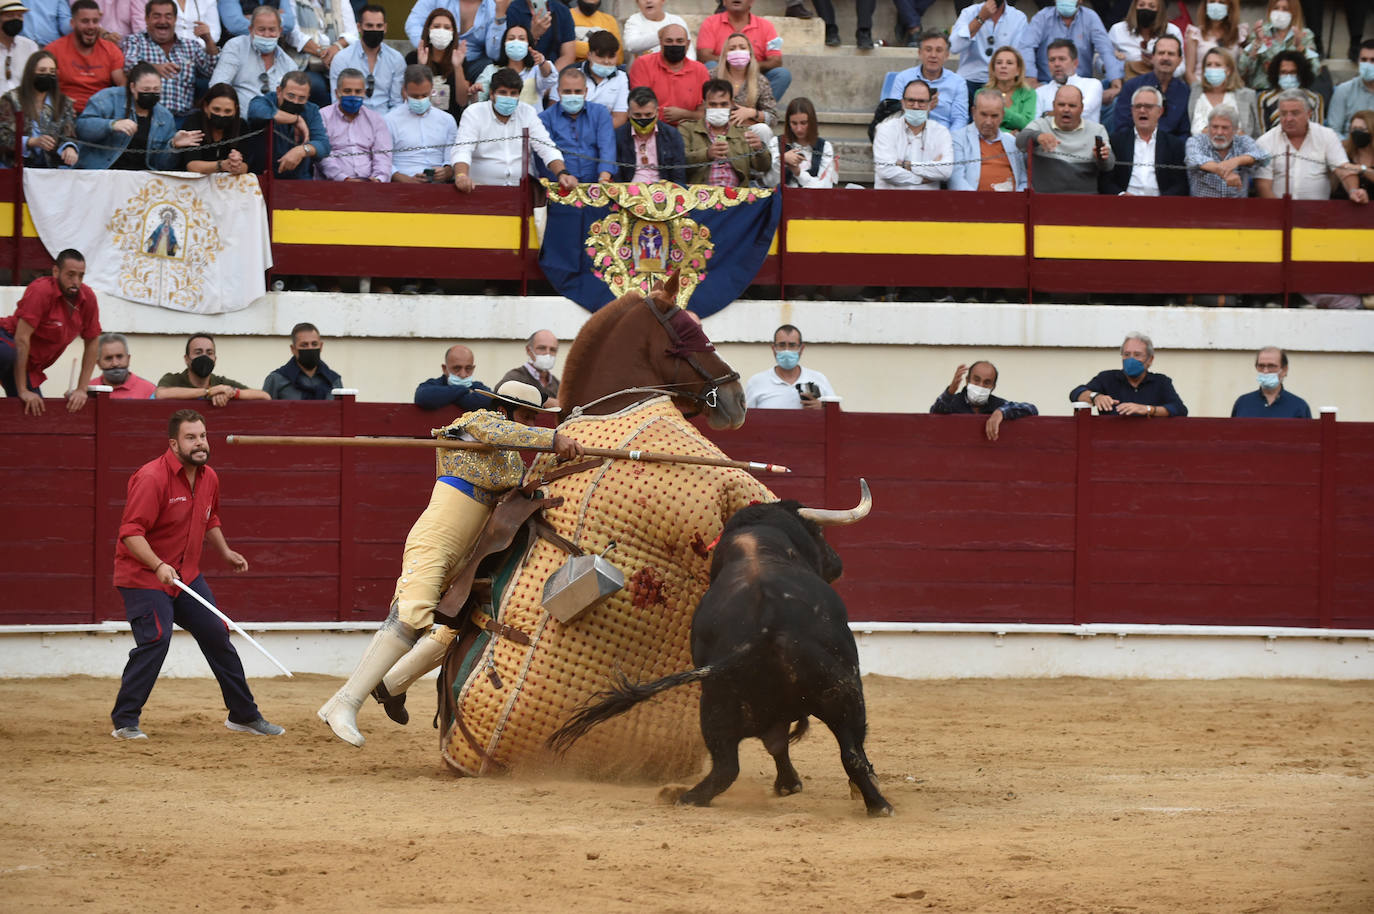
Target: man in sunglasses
(382, 66)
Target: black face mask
(309, 359)
(222, 121)
(586, 8)
(1145, 18)
(45, 82)
(1360, 138)
(202, 365)
(146, 100)
(644, 123)
(675, 53)
(292, 107)
(12, 27)
(372, 37)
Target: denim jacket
(95, 123)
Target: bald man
(1069, 152)
(456, 388)
(541, 351)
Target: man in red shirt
(114, 370)
(86, 63)
(676, 81)
(54, 311)
(172, 510)
(737, 17)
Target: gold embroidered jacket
(495, 470)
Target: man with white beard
(1221, 162)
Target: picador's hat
(518, 393)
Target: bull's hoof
(786, 790)
(671, 794)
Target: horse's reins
(678, 351)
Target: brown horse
(639, 345)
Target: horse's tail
(624, 695)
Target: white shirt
(1202, 111)
(930, 154)
(640, 36)
(1320, 152)
(1092, 97)
(16, 55)
(435, 129)
(766, 390)
(827, 175)
(1143, 182)
(189, 12)
(496, 160)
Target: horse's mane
(579, 358)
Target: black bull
(772, 647)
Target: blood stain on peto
(647, 587)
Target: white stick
(231, 623)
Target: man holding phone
(549, 24)
(787, 385)
(1069, 151)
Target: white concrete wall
(881, 357)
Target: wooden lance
(612, 453)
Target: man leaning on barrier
(1132, 389)
(113, 361)
(1221, 162)
(1303, 155)
(54, 311)
(582, 130)
(298, 134)
(490, 147)
(976, 398)
(422, 135)
(305, 376)
(199, 381)
(359, 139)
(1068, 152)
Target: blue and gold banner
(602, 240)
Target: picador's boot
(426, 655)
(392, 641)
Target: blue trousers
(151, 614)
(909, 12)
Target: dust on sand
(1061, 795)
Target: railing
(1038, 243)
(1063, 520)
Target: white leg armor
(426, 655)
(392, 641)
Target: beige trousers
(436, 548)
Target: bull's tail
(624, 695)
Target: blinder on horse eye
(686, 337)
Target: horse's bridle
(711, 395)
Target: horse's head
(650, 343)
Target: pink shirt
(366, 133)
(133, 388)
(646, 156)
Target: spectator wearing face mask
(455, 388)
(1355, 94)
(1289, 70)
(113, 362)
(1281, 30)
(542, 352)
(15, 49)
(382, 65)
(787, 385)
(1132, 389)
(607, 84)
(1272, 400)
(199, 381)
(976, 397)
(305, 376)
(582, 131)
(299, 139)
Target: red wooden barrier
(1204, 521)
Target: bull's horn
(828, 518)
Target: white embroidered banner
(176, 240)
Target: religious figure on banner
(649, 231)
(162, 242)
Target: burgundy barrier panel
(1199, 521)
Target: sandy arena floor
(1063, 795)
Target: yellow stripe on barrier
(1333, 245)
(852, 236)
(396, 230)
(1197, 245)
(7, 222)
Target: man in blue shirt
(554, 34)
(1065, 19)
(1132, 389)
(951, 101)
(1166, 58)
(299, 138)
(581, 129)
(382, 65)
(455, 387)
(1271, 401)
(47, 20)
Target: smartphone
(539, 7)
(808, 390)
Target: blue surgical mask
(1289, 81)
(505, 104)
(1268, 379)
(603, 70)
(1367, 70)
(573, 103)
(517, 49)
(264, 45)
(350, 104)
(455, 381)
(417, 105)
(1066, 8)
(915, 116)
(1216, 11)
(1134, 368)
(1215, 76)
(787, 359)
